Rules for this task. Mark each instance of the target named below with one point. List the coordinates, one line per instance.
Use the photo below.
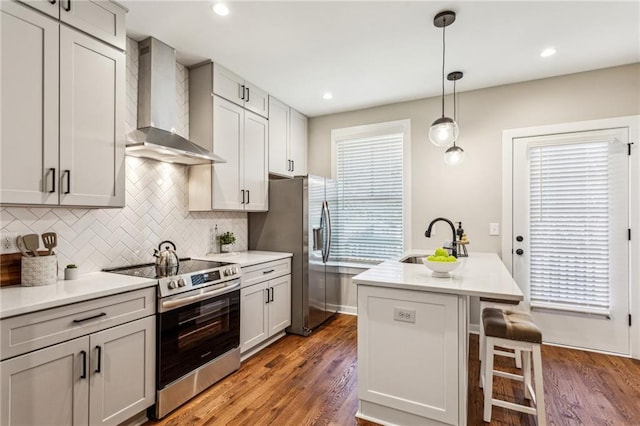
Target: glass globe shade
(454, 155)
(443, 132)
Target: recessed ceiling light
(221, 9)
(549, 51)
(327, 96)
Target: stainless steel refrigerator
(299, 221)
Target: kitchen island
(413, 338)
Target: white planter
(226, 248)
(70, 273)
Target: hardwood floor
(313, 380)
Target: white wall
(471, 192)
(156, 205)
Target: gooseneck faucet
(454, 248)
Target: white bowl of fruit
(441, 263)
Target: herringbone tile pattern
(156, 206)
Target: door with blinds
(571, 236)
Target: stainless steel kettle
(167, 261)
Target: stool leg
(518, 356)
(481, 341)
(538, 378)
(488, 376)
(526, 372)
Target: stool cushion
(510, 325)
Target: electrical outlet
(405, 315)
(494, 229)
(8, 242)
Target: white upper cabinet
(102, 19)
(29, 172)
(237, 135)
(92, 81)
(298, 143)
(63, 99)
(287, 140)
(239, 91)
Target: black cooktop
(186, 266)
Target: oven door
(192, 335)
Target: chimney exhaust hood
(155, 137)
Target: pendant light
(444, 130)
(454, 154)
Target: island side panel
(409, 356)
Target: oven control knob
(181, 282)
(236, 270)
(228, 272)
(172, 284)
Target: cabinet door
(101, 18)
(29, 106)
(280, 306)
(45, 6)
(254, 315)
(279, 161)
(46, 387)
(228, 132)
(298, 143)
(256, 100)
(122, 370)
(228, 85)
(256, 162)
(92, 140)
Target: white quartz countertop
(246, 258)
(480, 274)
(18, 300)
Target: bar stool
(515, 330)
(486, 302)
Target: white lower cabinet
(409, 357)
(265, 306)
(102, 378)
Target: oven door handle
(173, 304)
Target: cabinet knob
(519, 252)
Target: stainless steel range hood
(156, 137)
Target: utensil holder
(39, 271)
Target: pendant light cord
(454, 105)
(444, 26)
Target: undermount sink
(414, 259)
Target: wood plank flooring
(313, 381)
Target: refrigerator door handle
(329, 237)
(324, 220)
(318, 243)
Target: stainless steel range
(198, 340)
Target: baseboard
(474, 329)
(349, 310)
(254, 350)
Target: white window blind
(575, 223)
(370, 186)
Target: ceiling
(371, 53)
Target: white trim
(377, 129)
(348, 310)
(632, 122)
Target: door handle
(53, 180)
(519, 252)
(84, 364)
(519, 238)
(267, 290)
(247, 99)
(52, 1)
(271, 299)
(99, 349)
(68, 7)
(242, 191)
(68, 173)
(248, 196)
(293, 165)
(241, 94)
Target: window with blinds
(369, 173)
(577, 193)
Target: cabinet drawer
(265, 271)
(37, 330)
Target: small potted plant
(226, 241)
(71, 272)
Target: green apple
(441, 252)
(451, 259)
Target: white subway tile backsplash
(156, 205)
